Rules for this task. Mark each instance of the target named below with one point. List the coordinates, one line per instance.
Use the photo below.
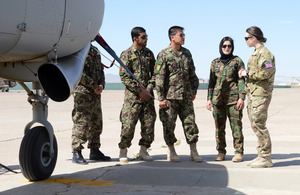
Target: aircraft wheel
(35, 160)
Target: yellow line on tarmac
(69, 181)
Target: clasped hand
(243, 73)
(99, 89)
(144, 94)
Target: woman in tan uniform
(260, 75)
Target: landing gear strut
(38, 150)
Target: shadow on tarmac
(156, 177)
(139, 177)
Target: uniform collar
(135, 51)
(259, 49)
(179, 52)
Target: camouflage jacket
(175, 74)
(261, 72)
(93, 74)
(224, 86)
(141, 64)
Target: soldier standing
(260, 75)
(138, 105)
(226, 94)
(87, 112)
(177, 84)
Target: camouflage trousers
(220, 114)
(258, 113)
(87, 119)
(168, 117)
(133, 111)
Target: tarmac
(158, 177)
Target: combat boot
(194, 153)
(237, 158)
(144, 155)
(252, 161)
(172, 156)
(96, 154)
(123, 155)
(78, 158)
(220, 157)
(262, 163)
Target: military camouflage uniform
(224, 89)
(177, 82)
(87, 112)
(141, 64)
(260, 81)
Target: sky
(206, 22)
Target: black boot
(96, 154)
(78, 158)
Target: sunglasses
(182, 35)
(246, 38)
(224, 46)
(144, 37)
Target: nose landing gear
(38, 150)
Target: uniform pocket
(258, 101)
(252, 88)
(216, 96)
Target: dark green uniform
(141, 64)
(177, 82)
(224, 89)
(87, 112)
(260, 81)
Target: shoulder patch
(269, 65)
(122, 71)
(157, 66)
(158, 62)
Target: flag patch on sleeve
(269, 65)
(157, 68)
(122, 72)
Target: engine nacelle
(59, 80)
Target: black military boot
(78, 158)
(96, 154)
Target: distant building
(295, 84)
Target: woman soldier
(226, 94)
(260, 75)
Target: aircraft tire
(34, 156)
